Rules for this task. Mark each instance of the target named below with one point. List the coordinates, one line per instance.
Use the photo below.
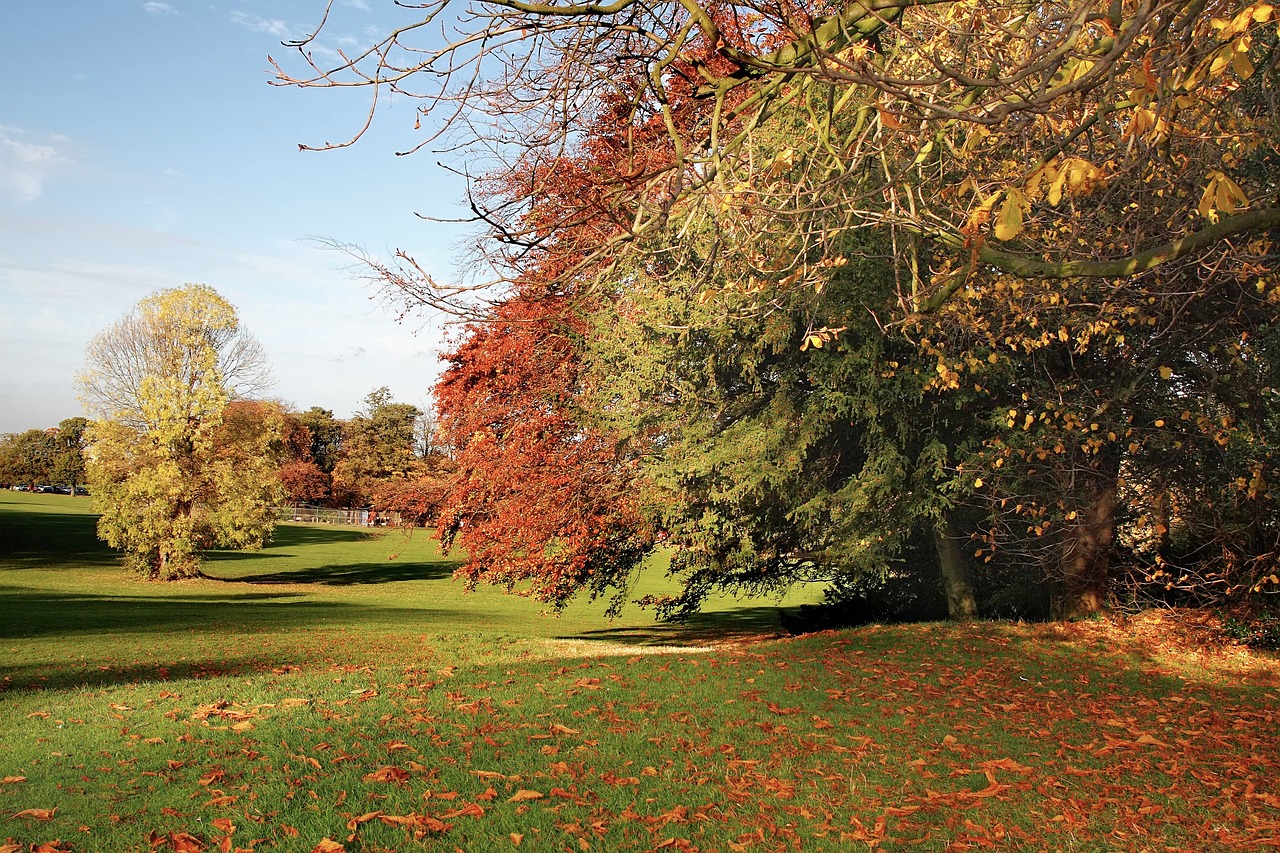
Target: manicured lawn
(325, 695)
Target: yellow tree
(167, 477)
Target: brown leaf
(387, 774)
(11, 780)
(524, 794)
(516, 838)
(469, 810)
(364, 818)
(489, 794)
(328, 845)
(36, 814)
(183, 842)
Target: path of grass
(368, 710)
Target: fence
(327, 515)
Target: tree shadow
(699, 629)
(352, 574)
(33, 539)
(28, 613)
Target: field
(338, 691)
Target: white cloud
(155, 7)
(271, 26)
(26, 165)
(362, 5)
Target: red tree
(538, 496)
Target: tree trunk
(956, 578)
(1086, 548)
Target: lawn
(339, 691)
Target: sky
(142, 147)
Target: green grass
(321, 690)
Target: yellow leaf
(1166, 372)
(1009, 219)
(1241, 65)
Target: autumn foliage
(539, 496)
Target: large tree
(169, 472)
(1120, 156)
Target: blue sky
(141, 147)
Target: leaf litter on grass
(978, 737)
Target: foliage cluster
(830, 279)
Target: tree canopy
(170, 472)
(1003, 271)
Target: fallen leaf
(524, 794)
(184, 842)
(36, 814)
(469, 810)
(328, 845)
(11, 780)
(516, 838)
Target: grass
(321, 695)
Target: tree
(377, 445)
(539, 495)
(170, 472)
(326, 437)
(28, 458)
(1120, 156)
(68, 465)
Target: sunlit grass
(322, 690)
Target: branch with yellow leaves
(1252, 221)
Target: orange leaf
(489, 794)
(516, 838)
(37, 814)
(524, 794)
(10, 780)
(328, 845)
(364, 818)
(387, 774)
(469, 810)
(224, 824)
(183, 842)
(901, 811)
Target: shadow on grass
(701, 628)
(350, 574)
(35, 539)
(30, 677)
(28, 613)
